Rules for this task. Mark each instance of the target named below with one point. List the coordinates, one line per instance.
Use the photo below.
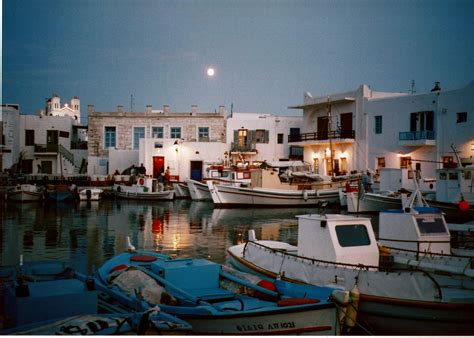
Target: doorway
(196, 170)
(158, 165)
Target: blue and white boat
(49, 298)
(215, 301)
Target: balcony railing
(336, 134)
(416, 135)
(54, 148)
(246, 147)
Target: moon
(211, 72)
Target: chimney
(148, 108)
(120, 109)
(166, 109)
(90, 109)
(221, 110)
(194, 109)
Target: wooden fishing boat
(341, 250)
(49, 298)
(25, 193)
(61, 192)
(146, 188)
(214, 301)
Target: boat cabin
(418, 229)
(337, 238)
(147, 184)
(452, 182)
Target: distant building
(183, 141)
(365, 129)
(51, 142)
(9, 142)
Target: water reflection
(87, 234)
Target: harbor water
(86, 234)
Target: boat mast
(330, 136)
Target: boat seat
(211, 294)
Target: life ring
(141, 181)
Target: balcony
(323, 136)
(417, 138)
(246, 148)
(53, 149)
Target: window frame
(135, 141)
(174, 131)
(158, 132)
(29, 137)
(106, 133)
(203, 135)
(378, 124)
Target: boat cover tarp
(412, 285)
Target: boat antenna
(456, 153)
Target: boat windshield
(431, 225)
(352, 235)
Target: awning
(322, 104)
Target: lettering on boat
(271, 326)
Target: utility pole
(131, 103)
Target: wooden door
(158, 166)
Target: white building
(9, 142)
(51, 142)
(254, 137)
(367, 129)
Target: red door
(158, 165)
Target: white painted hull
(198, 191)
(134, 195)
(371, 202)
(228, 196)
(389, 301)
(25, 196)
(95, 195)
(286, 322)
(181, 190)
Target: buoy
(351, 313)
(464, 205)
(141, 181)
(267, 285)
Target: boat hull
(311, 321)
(25, 196)
(162, 195)
(377, 314)
(198, 191)
(228, 196)
(371, 202)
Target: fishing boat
(341, 250)
(229, 196)
(49, 298)
(215, 301)
(181, 190)
(219, 174)
(25, 193)
(374, 201)
(61, 192)
(146, 188)
(91, 194)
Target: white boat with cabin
(341, 250)
(146, 188)
(25, 193)
(91, 194)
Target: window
(428, 226)
(461, 117)
(175, 132)
(138, 133)
(260, 136)
(203, 134)
(405, 162)
(294, 131)
(110, 137)
(352, 235)
(29, 137)
(380, 162)
(448, 162)
(378, 124)
(64, 134)
(157, 132)
(280, 138)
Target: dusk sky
(266, 54)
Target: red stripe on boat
(119, 267)
(297, 301)
(143, 258)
